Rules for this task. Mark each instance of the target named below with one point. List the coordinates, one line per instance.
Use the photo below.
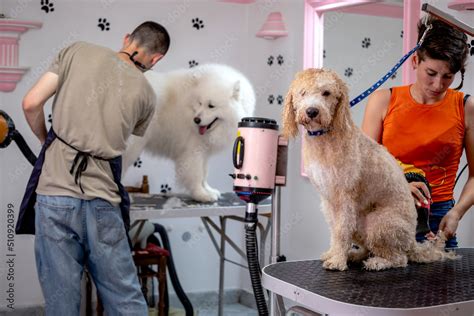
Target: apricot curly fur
(364, 195)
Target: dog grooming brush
(423, 225)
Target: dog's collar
(319, 132)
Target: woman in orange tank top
(426, 126)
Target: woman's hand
(449, 223)
(420, 193)
(430, 236)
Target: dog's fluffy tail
(431, 250)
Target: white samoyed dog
(197, 113)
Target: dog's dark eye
(326, 93)
(303, 92)
(211, 106)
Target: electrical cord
(459, 175)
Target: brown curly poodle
(365, 196)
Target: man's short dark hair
(153, 37)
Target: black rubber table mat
(418, 285)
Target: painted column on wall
(10, 31)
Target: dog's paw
(335, 263)
(326, 255)
(379, 263)
(206, 195)
(215, 192)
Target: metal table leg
(221, 267)
(277, 306)
(220, 248)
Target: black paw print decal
(271, 98)
(471, 48)
(138, 163)
(280, 60)
(394, 75)
(50, 119)
(165, 188)
(193, 63)
(366, 42)
(280, 99)
(401, 34)
(46, 6)
(103, 24)
(197, 23)
(348, 72)
(270, 60)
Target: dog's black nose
(197, 120)
(312, 112)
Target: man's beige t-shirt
(99, 102)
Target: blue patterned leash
(369, 91)
(374, 87)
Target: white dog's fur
(187, 102)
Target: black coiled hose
(254, 268)
(13, 134)
(25, 149)
(188, 307)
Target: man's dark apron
(26, 218)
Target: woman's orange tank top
(429, 137)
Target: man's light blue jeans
(72, 233)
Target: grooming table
(439, 288)
(229, 206)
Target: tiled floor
(229, 310)
(204, 304)
(236, 303)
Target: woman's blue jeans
(72, 233)
(437, 212)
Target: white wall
(228, 37)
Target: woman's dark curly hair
(444, 42)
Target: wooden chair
(145, 261)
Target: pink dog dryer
(255, 159)
(259, 157)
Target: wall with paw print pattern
(202, 31)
